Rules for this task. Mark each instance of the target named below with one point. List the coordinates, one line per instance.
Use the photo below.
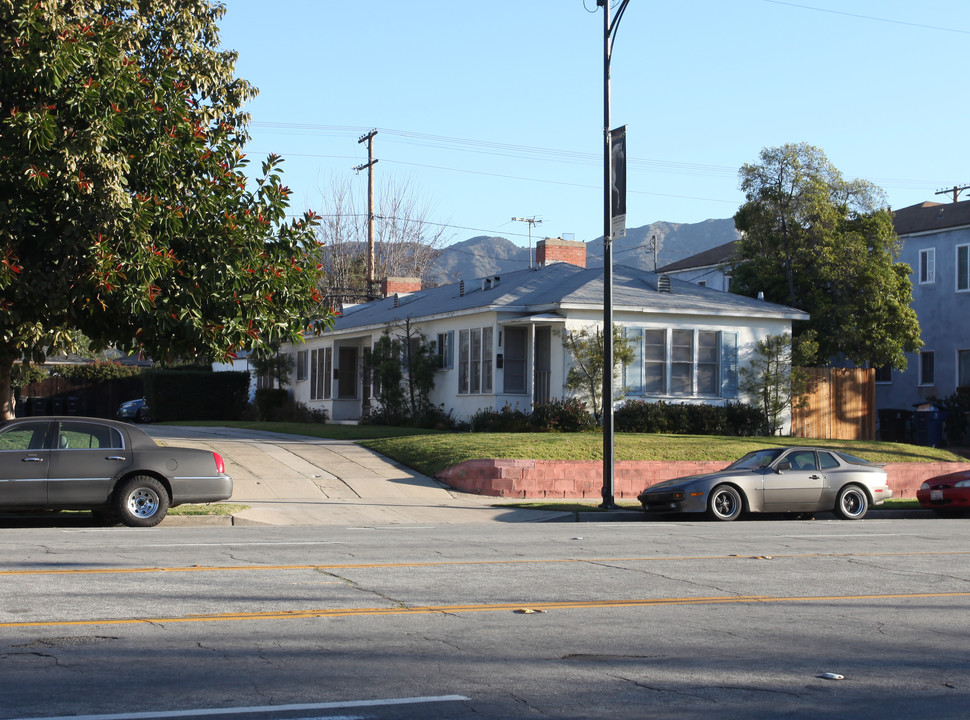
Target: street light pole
(609, 32)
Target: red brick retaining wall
(584, 479)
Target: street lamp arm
(615, 24)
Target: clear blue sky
(492, 110)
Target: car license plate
(936, 495)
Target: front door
(542, 385)
(24, 463)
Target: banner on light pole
(618, 182)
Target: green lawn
(429, 451)
(429, 455)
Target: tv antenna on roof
(532, 221)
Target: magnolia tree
(126, 211)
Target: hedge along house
(499, 339)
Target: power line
(869, 17)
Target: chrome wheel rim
(725, 504)
(143, 502)
(853, 504)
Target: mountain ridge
(485, 255)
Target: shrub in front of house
(562, 415)
(640, 416)
(744, 420)
(508, 419)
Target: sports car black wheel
(724, 503)
(141, 501)
(852, 503)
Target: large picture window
(682, 362)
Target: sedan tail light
(220, 465)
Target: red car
(946, 494)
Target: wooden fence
(841, 405)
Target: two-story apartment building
(936, 245)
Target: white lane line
(302, 707)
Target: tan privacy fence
(841, 405)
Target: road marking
(302, 707)
(245, 544)
(494, 607)
(453, 563)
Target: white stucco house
(499, 339)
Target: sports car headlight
(962, 483)
(924, 486)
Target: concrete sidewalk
(297, 480)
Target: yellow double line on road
(490, 607)
(446, 563)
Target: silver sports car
(788, 479)
(115, 469)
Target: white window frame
(724, 365)
(927, 266)
(962, 275)
(963, 357)
(302, 359)
(923, 356)
(475, 361)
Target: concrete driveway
(297, 480)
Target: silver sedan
(112, 468)
(776, 480)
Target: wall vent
(461, 288)
(663, 283)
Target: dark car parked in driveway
(115, 469)
(136, 410)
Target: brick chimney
(393, 285)
(553, 250)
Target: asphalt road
(489, 620)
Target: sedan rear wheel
(724, 503)
(852, 503)
(141, 501)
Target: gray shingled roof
(560, 287)
(708, 258)
(929, 216)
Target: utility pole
(653, 241)
(369, 138)
(955, 191)
(532, 221)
